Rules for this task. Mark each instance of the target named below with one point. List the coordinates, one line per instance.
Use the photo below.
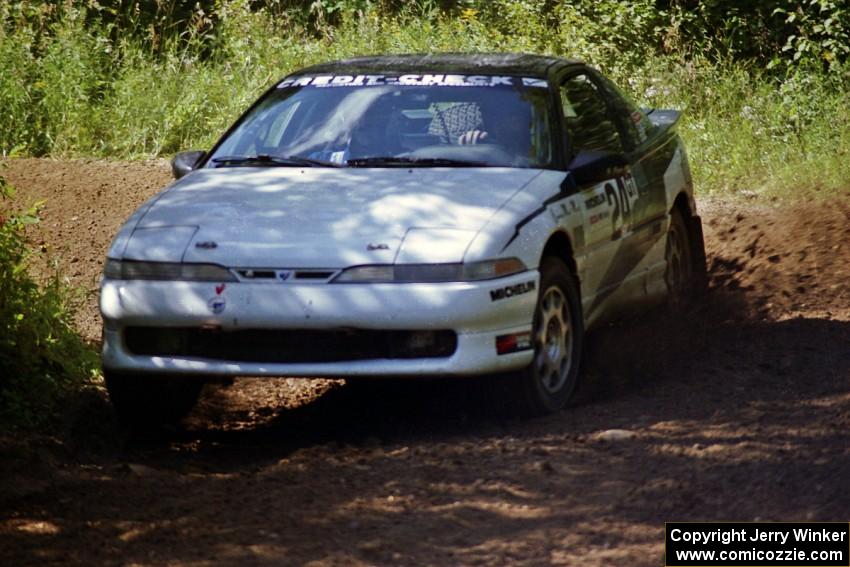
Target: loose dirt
(737, 409)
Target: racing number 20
(621, 198)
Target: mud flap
(695, 237)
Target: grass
(748, 131)
(70, 88)
(44, 364)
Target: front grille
(289, 346)
(270, 275)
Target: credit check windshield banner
(413, 80)
(757, 544)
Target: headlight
(130, 270)
(408, 273)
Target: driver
(511, 130)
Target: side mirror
(184, 162)
(589, 167)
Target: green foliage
(42, 359)
(746, 130)
(764, 82)
(779, 33)
(821, 31)
(17, 72)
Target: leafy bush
(42, 359)
(764, 84)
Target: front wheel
(558, 338)
(143, 400)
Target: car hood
(322, 217)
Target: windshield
(385, 121)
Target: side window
(637, 127)
(589, 123)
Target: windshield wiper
(268, 160)
(406, 161)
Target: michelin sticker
(512, 290)
(439, 80)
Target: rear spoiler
(663, 117)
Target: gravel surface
(737, 409)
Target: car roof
(461, 63)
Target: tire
(680, 274)
(546, 385)
(148, 400)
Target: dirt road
(736, 410)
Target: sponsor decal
(380, 246)
(283, 275)
(594, 201)
(512, 290)
(564, 210)
(206, 245)
(217, 304)
(599, 216)
(423, 80)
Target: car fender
(525, 223)
(677, 179)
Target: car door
(650, 152)
(609, 272)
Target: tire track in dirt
(737, 409)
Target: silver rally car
(411, 216)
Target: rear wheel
(679, 275)
(558, 337)
(145, 400)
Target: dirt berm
(737, 409)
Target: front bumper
(477, 312)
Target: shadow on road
(710, 414)
(709, 361)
